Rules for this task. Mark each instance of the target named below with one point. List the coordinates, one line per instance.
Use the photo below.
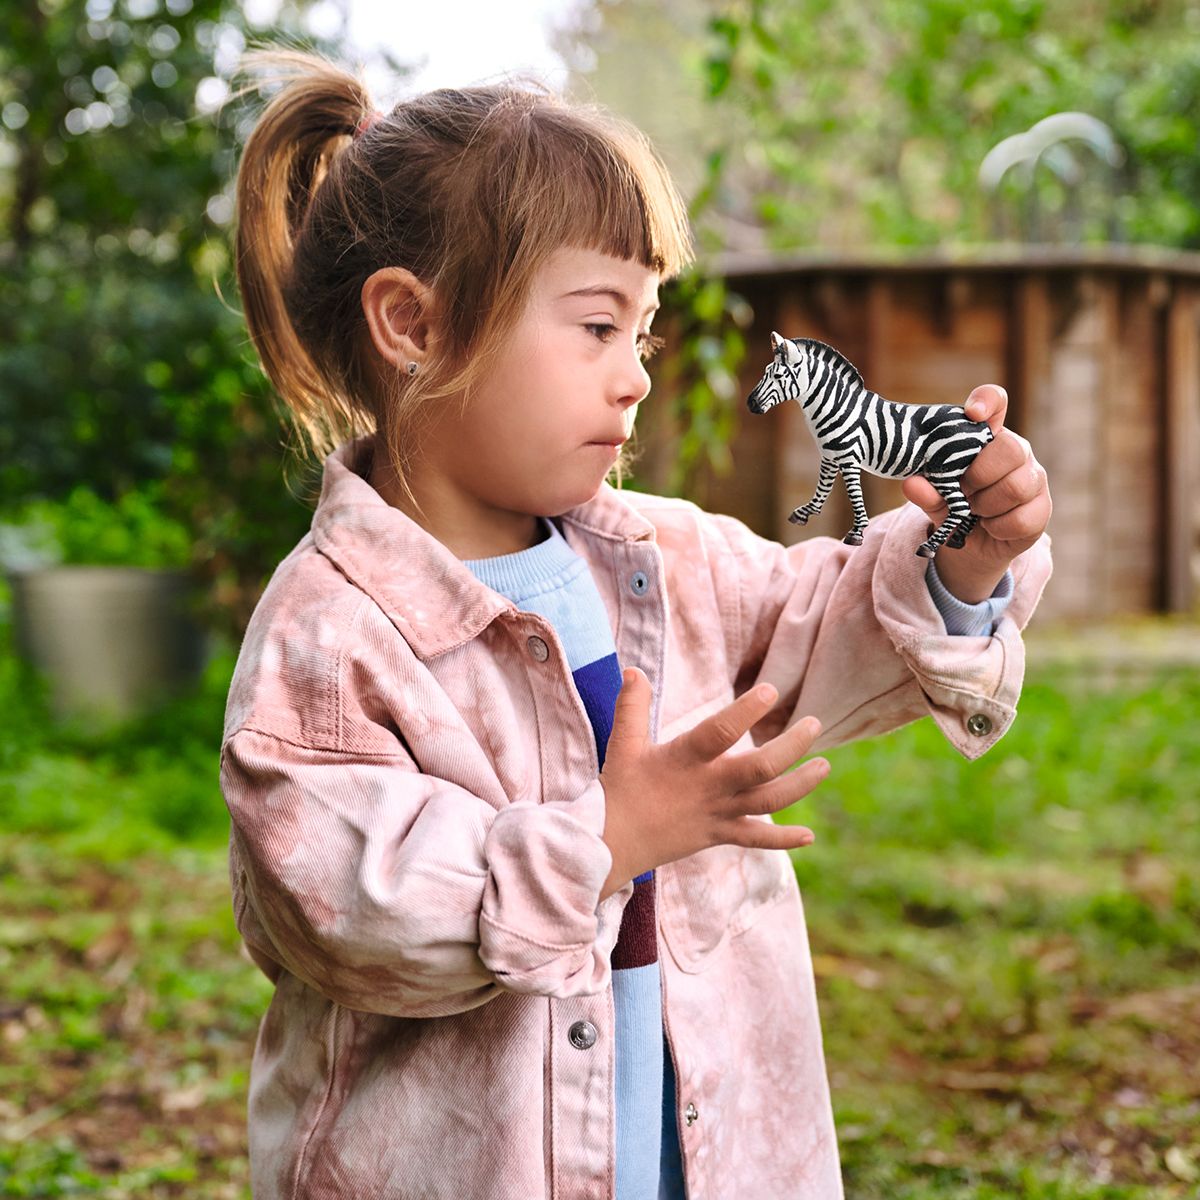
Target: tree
(124, 363)
(839, 125)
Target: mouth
(610, 442)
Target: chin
(569, 498)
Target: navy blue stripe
(598, 684)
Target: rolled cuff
(970, 684)
(542, 927)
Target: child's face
(568, 380)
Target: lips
(616, 441)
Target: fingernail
(822, 765)
(765, 691)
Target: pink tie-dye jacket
(416, 850)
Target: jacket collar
(427, 593)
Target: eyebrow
(607, 290)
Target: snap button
(582, 1035)
(639, 582)
(690, 1114)
(979, 724)
(538, 648)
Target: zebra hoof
(798, 518)
(853, 539)
(925, 550)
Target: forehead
(570, 270)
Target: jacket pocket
(714, 895)
(718, 893)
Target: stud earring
(412, 368)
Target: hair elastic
(366, 123)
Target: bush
(132, 531)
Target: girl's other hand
(664, 802)
(1007, 487)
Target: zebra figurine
(855, 429)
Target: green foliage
(45, 1169)
(1120, 777)
(868, 122)
(700, 376)
(121, 366)
(142, 786)
(131, 531)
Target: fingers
(1023, 522)
(631, 714)
(997, 459)
(768, 762)
(922, 493)
(714, 735)
(784, 791)
(988, 403)
(1004, 476)
(1004, 453)
(764, 835)
(1023, 482)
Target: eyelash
(650, 342)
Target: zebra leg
(825, 481)
(958, 539)
(960, 514)
(854, 491)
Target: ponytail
(295, 145)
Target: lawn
(1008, 953)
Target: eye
(648, 343)
(601, 332)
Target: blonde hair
(471, 189)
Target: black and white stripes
(857, 429)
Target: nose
(632, 381)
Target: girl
(504, 741)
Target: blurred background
(953, 193)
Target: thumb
(631, 716)
(922, 493)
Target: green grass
(1007, 952)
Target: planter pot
(112, 641)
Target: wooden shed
(1098, 349)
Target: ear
(401, 316)
(791, 352)
(775, 340)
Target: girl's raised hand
(664, 802)
(1006, 486)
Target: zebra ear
(791, 353)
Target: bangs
(619, 200)
(581, 177)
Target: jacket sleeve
(391, 891)
(852, 636)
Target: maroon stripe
(637, 943)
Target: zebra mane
(829, 354)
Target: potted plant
(101, 602)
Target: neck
(466, 527)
